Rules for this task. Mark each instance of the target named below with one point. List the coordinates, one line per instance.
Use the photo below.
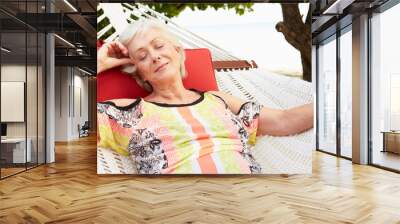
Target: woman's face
(156, 58)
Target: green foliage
(133, 17)
(174, 9)
(107, 34)
(103, 23)
(100, 12)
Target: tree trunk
(298, 34)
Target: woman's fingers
(111, 55)
(112, 51)
(122, 49)
(118, 50)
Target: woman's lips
(161, 67)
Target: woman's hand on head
(111, 55)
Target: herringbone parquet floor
(70, 191)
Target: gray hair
(143, 25)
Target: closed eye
(158, 46)
(142, 57)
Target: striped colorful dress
(203, 137)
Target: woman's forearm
(299, 119)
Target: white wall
(12, 73)
(61, 103)
(33, 126)
(71, 93)
(80, 109)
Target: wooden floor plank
(70, 191)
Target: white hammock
(276, 155)
(289, 155)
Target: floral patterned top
(203, 137)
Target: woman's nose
(156, 57)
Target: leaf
(173, 10)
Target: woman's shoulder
(121, 104)
(218, 95)
(235, 104)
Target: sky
(251, 36)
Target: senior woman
(179, 131)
